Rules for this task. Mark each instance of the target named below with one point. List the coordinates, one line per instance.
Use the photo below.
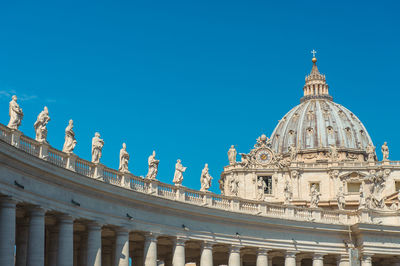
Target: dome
(318, 122)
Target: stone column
(343, 260)
(150, 250)
(290, 258)
(65, 241)
(53, 246)
(262, 257)
(234, 256)
(298, 261)
(122, 248)
(366, 260)
(22, 244)
(178, 257)
(7, 231)
(93, 255)
(36, 238)
(318, 259)
(206, 257)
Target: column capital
(8, 202)
(235, 248)
(150, 236)
(93, 225)
(37, 211)
(65, 219)
(290, 254)
(263, 251)
(318, 255)
(367, 257)
(180, 240)
(207, 244)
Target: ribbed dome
(319, 123)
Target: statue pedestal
(316, 214)
(289, 211)
(343, 218)
(98, 171)
(15, 137)
(71, 161)
(126, 180)
(153, 187)
(180, 194)
(44, 150)
(365, 216)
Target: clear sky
(190, 78)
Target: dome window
(310, 131)
(329, 129)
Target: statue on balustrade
(70, 142)
(333, 152)
(385, 151)
(315, 195)
(15, 113)
(178, 175)
(261, 186)
(232, 155)
(293, 152)
(287, 193)
(205, 179)
(234, 186)
(97, 147)
(123, 159)
(341, 201)
(153, 166)
(370, 149)
(41, 125)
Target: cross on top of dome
(316, 86)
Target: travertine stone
(93, 245)
(150, 250)
(70, 141)
(97, 147)
(178, 252)
(41, 125)
(15, 113)
(205, 179)
(65, 255)
(122, 248)
(153, 166)
(206, 257)
(123, 159)
(232, 155)
(35, 255)
(7, 231)
(178, 175)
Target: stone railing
(170, 192)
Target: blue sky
(190, 78)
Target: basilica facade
(313, 193)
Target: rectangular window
(353, 187)
(397, 185)
(268, 184)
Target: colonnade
(58, 247)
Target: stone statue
(333, 152)
(41, 125)
(341, 199)
(377, 180)
(287, 193)
(123, 159)
(15, 113)
(293, 152)
(261, 189)
(97, 147)
(232, 155)
(385, 151)
(363, 203)
(70, 142)
(153, 166)
(179, 170)
(246, 158)
(205, 179)
(315, 195)
(234, 186)
(221, 182)
(370, 152)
